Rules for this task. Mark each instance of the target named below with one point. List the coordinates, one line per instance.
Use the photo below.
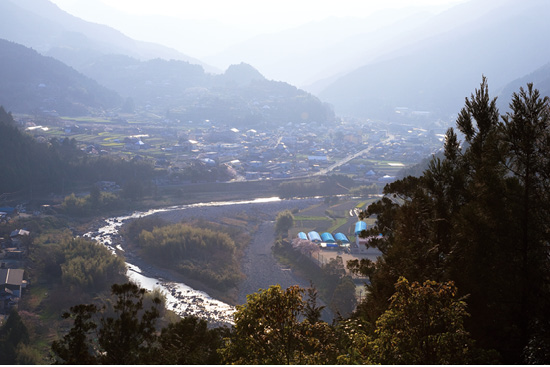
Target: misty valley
(367, 189)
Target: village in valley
(369, 153)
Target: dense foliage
(31, 82)
(201, 253)
(79, 264)
(269, 330)
(128, 334)
(283, 222)
(425, 323)
(93, 203)
(478, 217)
(13, 335)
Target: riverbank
(260, 268)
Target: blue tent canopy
(341, 237)
(360, 226)
(314, 236)
(327, 237)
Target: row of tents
(327, 239)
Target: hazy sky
(250, 13)
(256, 13)
(206, 27)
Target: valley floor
(259, 266)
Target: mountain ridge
(60, 30)
(31, 82)
(436, 73)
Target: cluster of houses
(297, 149)
(293, 149)
(6, 212)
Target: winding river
(180, 298)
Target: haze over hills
(191, 36)
(504, 42)
(240, 96)
(540, 79)
(138, 71)
(412, 60)
(30, 82)
(316, 50)
(51, 31)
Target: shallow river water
(180, 298)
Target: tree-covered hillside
(241, 96)
(56, 166)
(30, 82)
(478, 217)
(540, 79)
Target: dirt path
(260, 267)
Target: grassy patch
(337, 224)
(234, 222)
(84, 138)
(362, 204)
(86, 119)
(303, 217)
(113, 144)
(37, 293)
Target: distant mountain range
(413, 60)
(30, 82)
(321, 49)
(51, 31)
(146, 75)
(501, 39)
(540, 79)
(408, 63)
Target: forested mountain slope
(241, 96)
(30, 166)
(30, 82)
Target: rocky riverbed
(258, 264)
(260, 268)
